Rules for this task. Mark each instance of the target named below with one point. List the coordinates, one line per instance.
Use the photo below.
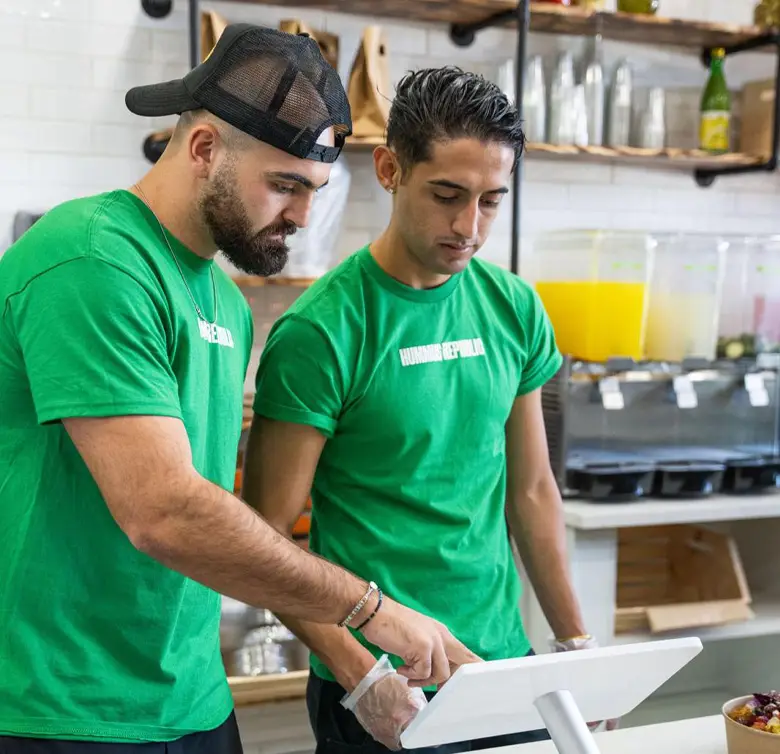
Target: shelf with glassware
(469, 17)
(587, 115)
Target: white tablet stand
(554, 691)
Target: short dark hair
(438, 104)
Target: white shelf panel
(590, 516)
(766, 623)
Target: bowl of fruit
(753, 724)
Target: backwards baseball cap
(269, 84)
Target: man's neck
(175, 209)
(395, 258)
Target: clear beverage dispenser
(594, 286)
(685, 294)
(750, 311)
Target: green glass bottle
(715, 123)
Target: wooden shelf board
(268, 688)
(548, 18)
(765, 623)
(362, 145)
(669, 159)
(638, 28)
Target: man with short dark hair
(402, 390)
(123, 352)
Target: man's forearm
(217, 540)
(342, 653)
(536, 523)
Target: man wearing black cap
(123, 351)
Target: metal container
(268, 650)
(595, 95)
(620, 103)
(653, 129)
(535, 100)
(561, 122)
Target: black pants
(222, 740)
(338, 731)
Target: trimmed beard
(252, 252)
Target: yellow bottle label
(714, 131)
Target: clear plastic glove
(572, 645)
(385, 704)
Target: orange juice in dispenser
(594, 287)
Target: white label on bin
(613, 401)
(758, 395)
(638, 376)
(611, 397)
(684, 390)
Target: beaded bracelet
(372, 587)
(371, 617)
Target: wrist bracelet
(581, 637)
(371, 617)
(372, 587)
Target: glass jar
(767, 14)
(685, 297)
(638, 6)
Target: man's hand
(430, 652)
(387, 709)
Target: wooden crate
(676, 577)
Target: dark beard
(254, 253)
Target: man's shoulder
(329, 314)
(333, 296)
(64, 234)
(502, 283)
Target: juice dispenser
(750, 311)
(594, 286)
(685, 294)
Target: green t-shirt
(98, 640)
(413, 389)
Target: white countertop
(704, 735)
(583, 515)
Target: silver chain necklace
(181, 272)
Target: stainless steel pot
(238, 620)
(267, 650)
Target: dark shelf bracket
(157, 8)
(163, 8)
(705, 177)
(464, 35)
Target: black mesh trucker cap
(269, 84)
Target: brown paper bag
(369, 86)
(211, 27)
(329, 43)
